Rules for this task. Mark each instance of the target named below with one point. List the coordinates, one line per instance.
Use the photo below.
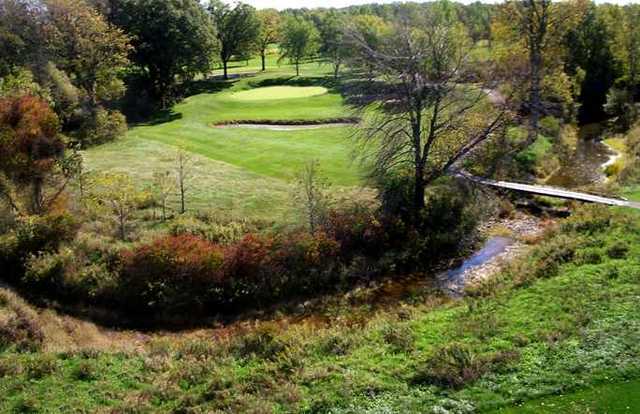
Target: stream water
(492, 247)
(583, 166)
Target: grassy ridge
(564, 318)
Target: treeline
(92, 59)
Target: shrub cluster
(211, 268)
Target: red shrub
(357, 232)
(172, 273)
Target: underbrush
(537, 329)
(191, 267)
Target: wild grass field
(241, 171)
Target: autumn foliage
(29, 143)
(188, 274)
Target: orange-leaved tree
(31, 152)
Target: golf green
(279, 92)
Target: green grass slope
(242, 160)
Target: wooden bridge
(550, 191)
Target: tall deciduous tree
(270, 22)
(537, 26)
(299, 41)
(238, 28)
(589, 50)
(21, 42)
(173, 41)
(86, 46)
(333, 47)
(425, 121)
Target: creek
(586, 164)
(583, 166)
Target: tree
(270, 22)
(299, 41)
(333, 47)
(21, 40)
(238, 28)
(173, 41)
(621, 108)
(183, 173)
(311, 194)
(31, 149)
(163, 186)
(422, 119)
(118, 195)
(369, 29)
(538, 28)
(589, 50)
(86, 46)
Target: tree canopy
(173, 40)
(238, 28)
(299, 41)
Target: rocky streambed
(504, 243)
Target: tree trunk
(418, 193)
(535, 99)
(262, 55)
(182, 209)
(336, 69)
(123, 235)
(36, 202)
(224, 64)
(297, 68)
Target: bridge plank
(551, 191)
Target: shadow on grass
(213, 84)
(161, 116)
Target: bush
(103, 126)
(550, 126)
(33, 236)
(456, 365)
(618, 250)
(399, 337)
(172, 274)
(19, 325)
(453, 366)
(215, 232)
(261, 342)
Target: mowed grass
(610, 399)
(246, 172)
(279, 92)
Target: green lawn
(247, 171)
(615, 398)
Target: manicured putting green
(279, 92)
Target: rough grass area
(248, 172)
(279, 92)
(563, 319)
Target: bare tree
(163, 186)
(183, 173)
(311, 194)
(420, 116)
(117, 195)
